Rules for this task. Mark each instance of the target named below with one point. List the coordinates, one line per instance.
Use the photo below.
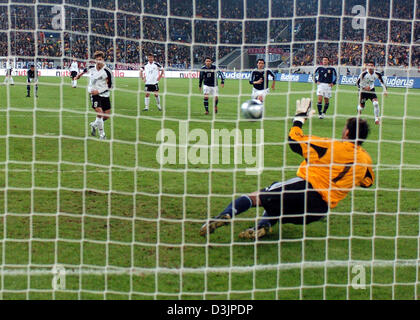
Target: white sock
(158, 101)
(100, 124)
(97, 120)
(376, 109)
(359, 108)
(11, 80)
(146, 102)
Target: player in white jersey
(151, 73)
(366, 84)
(9, 69)
(74, 70)
(100, 84)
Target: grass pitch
(67, 198)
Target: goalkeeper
(330, 170)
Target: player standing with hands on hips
(325, 77)
(151, 73)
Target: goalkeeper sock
(267, 222)
(319, 108)
(376, 109)
(206, 104)
(238, 206)
(326, 106)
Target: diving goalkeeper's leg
(236, 207)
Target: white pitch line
(19, 271)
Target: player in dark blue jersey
(208, 75)
(260, 81)
(325, 78)
(32, 79)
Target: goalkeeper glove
(303, 110)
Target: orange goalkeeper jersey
(332, 167)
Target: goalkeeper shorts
(293, 201)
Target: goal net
(84, 218)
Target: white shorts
(256, 93)
(211, 90)
(324, 90)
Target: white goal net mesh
(85, 218)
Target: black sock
(240, 205)
(216, 101)
(28, 89)
(326, 107)
(319, 108)
(206, 104)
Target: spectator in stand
(128, 26)
(154, 28)
(77, 19)
(102, 23)
(205, 31)
(180, 30)
(156, 7)
(181, 8)
(207, 8)
(130, 5)
(282, 8)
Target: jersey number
(342, 173)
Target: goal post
(84, 218)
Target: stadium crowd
(385, 43)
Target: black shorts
(151, 87)
(293, 197)
(365, 96)
(9, 72)
(73, 74)
(101, 102)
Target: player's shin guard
(158, 102)
(206, 104)
(319, 108)
(238, 206)
(326, 106)
(376, 109)
(100, 124)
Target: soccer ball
(252, 109)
